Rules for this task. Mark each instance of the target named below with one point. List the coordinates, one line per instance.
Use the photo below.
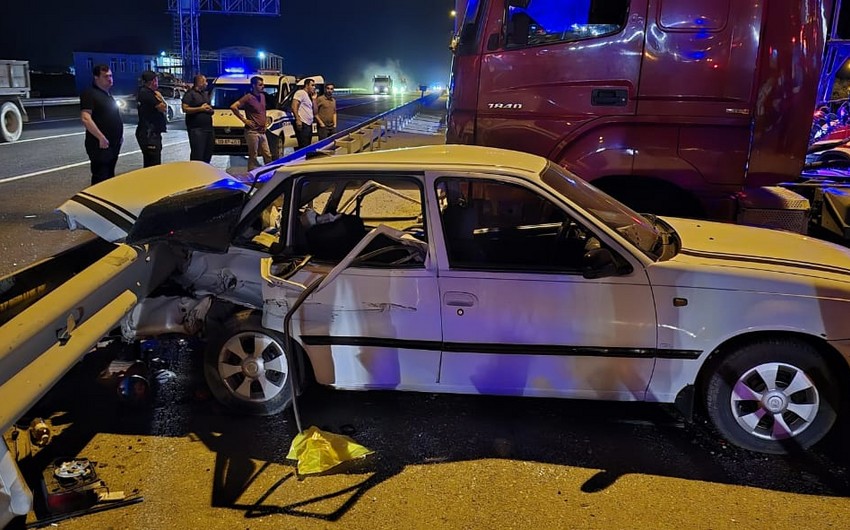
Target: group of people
(105, 129)
(307, 108)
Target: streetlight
(261, 54)
(453, 13)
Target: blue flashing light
(234, 70)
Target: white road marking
(52, 137)
(78, 164)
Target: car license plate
(228, 141)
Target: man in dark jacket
(104, 129)
(152, 109)
(196, 106)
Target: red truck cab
(690, 107)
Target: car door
(377, 323)
(518, 316)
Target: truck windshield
(637, 229)
(223, 96)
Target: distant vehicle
(382, 84)
(173, 96)
(14, 85)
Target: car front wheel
(246, 368)
(774, 396)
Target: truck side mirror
(598, 263)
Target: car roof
(466, 157)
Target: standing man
(196, 106)
(302, 108)
(104, 129)
(151, 119)
(254, 103)
(326, 112)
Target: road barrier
(42, 103)
(367, 135)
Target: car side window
(333, 214)
(552, 21)
(493, 225)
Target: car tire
(11, 122)
(169, 114)
(246, 367)
(773, 396)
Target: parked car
(173, 96)
(486, 271)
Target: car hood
(175, 201)
(753, 254)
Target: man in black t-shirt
(152, 109)
(196, 106)
(104, 129)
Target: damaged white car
(485, 272)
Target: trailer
(14, 85)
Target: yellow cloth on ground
(317, 451)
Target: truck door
(552, 66)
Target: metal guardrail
(50, 102)
(42, 103)
(368, 134)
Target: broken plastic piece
(318, 451)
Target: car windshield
(641, 231)
(223, 96)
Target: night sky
(344, 40)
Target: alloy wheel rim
(774, 401)
(253, 367)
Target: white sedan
(486, 272)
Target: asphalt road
(440, 461)
(48, 165)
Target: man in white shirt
(302, 108)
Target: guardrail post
(347, 143)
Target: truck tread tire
(11, 122)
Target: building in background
(126, 68)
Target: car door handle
(609, 97)
(460, 299)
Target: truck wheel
(246, 367)
(11, 122)
(774, 396)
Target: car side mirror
(598, 263)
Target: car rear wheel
(774, 396)
(246, 367)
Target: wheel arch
(643, 193)
(836, 362)
(221, 311)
